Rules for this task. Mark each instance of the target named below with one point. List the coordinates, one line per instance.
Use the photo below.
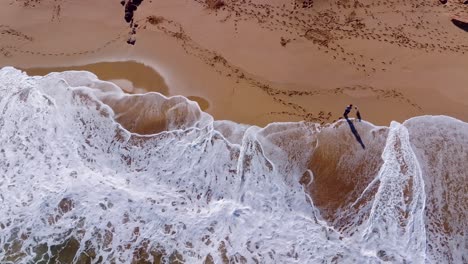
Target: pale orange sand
(262, 61)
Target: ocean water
(89, 174)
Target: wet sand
(131, 76)
(259, 61)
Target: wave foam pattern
(78, 185)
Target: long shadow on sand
(460, 24)
(355, 133)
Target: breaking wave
(89, 174)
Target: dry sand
(258, 61)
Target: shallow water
(131, 76)
(80, 185)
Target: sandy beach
(91, 172)
(260, 61)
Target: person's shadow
(355, 133)
(460, 24)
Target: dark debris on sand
(130, 7)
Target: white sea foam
(72, 178)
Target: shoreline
(130, 76)
(204, 104)
(250, 80)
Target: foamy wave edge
(216, 191)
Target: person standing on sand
(351, 125)
(347, 110)
(358, 115)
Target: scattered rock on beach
(131, 41)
